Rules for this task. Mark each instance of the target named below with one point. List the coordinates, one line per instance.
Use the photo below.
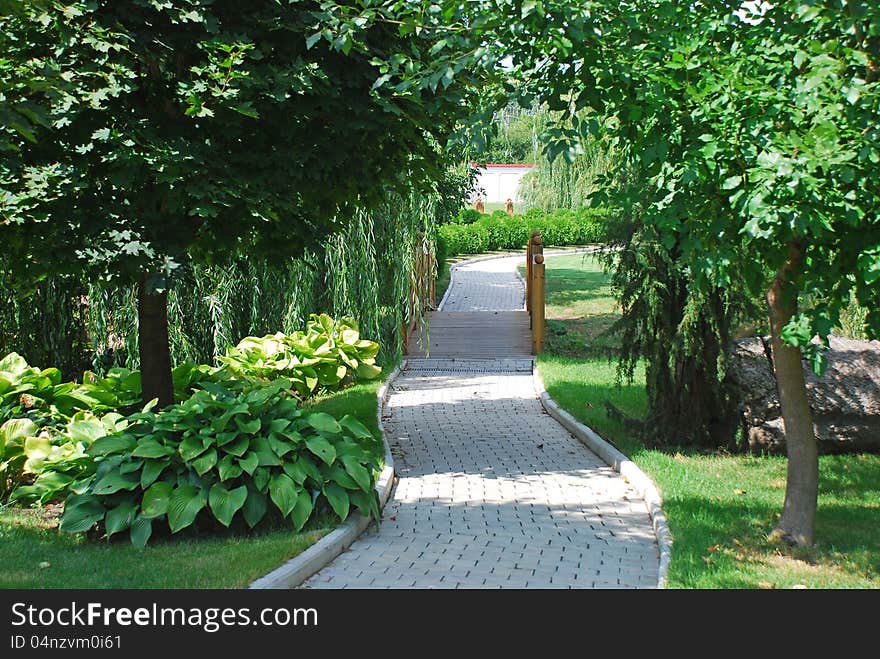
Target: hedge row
(500, 231)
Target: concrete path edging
(301, 567)
(620, 463)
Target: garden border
(621, 464)
(299, 568)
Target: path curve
(492, 492)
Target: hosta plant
(326, 355)
(226, 457)
(56, 458)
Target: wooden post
(538, 303)
(534, 239)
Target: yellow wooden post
(530, 251)
(538, 304)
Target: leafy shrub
(500, 231)
(327, 354)
(56, 459)
(468, 216)
(29, 392)
(48, 427)
(227, 456)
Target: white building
(499, 182)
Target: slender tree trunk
(798, 521)
(153, 347)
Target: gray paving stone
(478, 504)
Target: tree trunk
(798, 521)
(156, 381)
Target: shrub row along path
(493, 492)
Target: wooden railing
(535, 289)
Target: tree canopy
(755, 129)
(139, 133)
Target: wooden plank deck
(473, 335)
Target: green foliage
(562, 184)
(40, 395)
(513, 137)
(230, 455)
(500, 231)
(49, 425)
(138, 136)
(678, 332)
(38, 464)
(467, 216)
(327, 354)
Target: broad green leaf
(185, 503)
(338, 499)
(79, 517)
(323, 422)
(155, 500)
(368, 371)
(238, 447)
(250, 427)
(191, 447)
(15, 430)
(204, 463)
(302, 510)
(141, 530)
(296, 472)
(152, 469)
(150, 448)
(225, 503)
(322, 448)
(255, 507)
(262, 449)
(337, 474)
(86, 431)
(284, 492)
(358, 472)
(120, 518)
(110, 444)
(731, 183)
(366, 502)
(355, 427)
(228, 468)
(249, 463)
(114, 481)
(280, 447)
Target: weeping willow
(45, 324)
(560, 184)
(367, 271)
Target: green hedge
(500, 231)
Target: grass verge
(35, 554)
(720, 507)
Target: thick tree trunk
(798, 521)
(153, 346)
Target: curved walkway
(492, 492)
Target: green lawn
(34, 554)
(720, 507)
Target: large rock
(845, 400)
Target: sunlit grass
(720, 507)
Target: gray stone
(845, 401)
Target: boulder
(845, 400)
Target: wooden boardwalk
(473, 335)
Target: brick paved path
(490, 285)
(493, 493)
